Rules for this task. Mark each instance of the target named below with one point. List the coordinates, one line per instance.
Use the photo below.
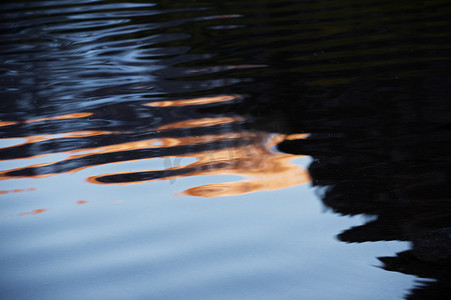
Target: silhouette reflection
(389, 159)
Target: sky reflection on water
(123, 126)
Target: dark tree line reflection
(386, 154)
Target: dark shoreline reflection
(390, 161)
(363, 88)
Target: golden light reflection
(280, 173)
(34, 212)
(193, 101)
(143, 144)
(60, 117)
(3, 192)
(45, 137)
(297, 136)
(7, 123)
(247, 154)
(201, 123)
(262, 168)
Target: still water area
(225, 150)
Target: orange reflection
(247, 154)
(17, 191)
(297, 136)
(201, 123)
(263, 168)
(6, 123)
(144, 144)
(279, 173)
(39, 138)
(34, 212)
(61, 117)
(193, 101)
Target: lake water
(225, 149)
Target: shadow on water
(362, 88)
(386, 155)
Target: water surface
(225, 149)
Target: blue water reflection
(139, 245)
(215, 150)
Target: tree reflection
(387, 157)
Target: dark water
(254, 114)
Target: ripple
(103, 102)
